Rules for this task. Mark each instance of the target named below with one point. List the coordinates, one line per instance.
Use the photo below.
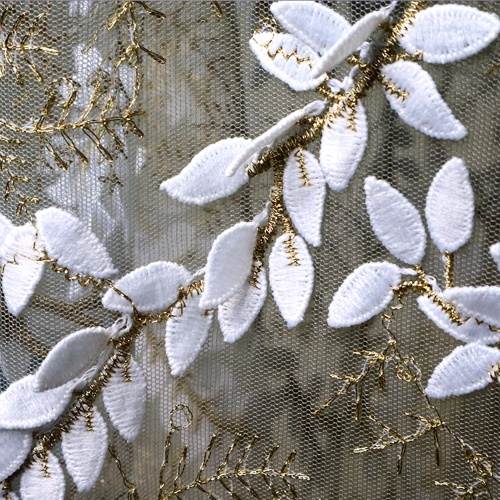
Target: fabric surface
(317, 365)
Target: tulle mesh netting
(200, 83)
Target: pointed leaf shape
(71, 358)
(21, 407)
(395, 221)
(84, 449)
(365, 293)
(447, 33)
(412, 93)
(229, 263)
(313, 24)
(470, 331)
(22, 270)
(287, 58)
(482, 302)
(291, 276)
(73, 244)
(152, 288)
(468, 368)
(126, 384)
(238, 313)
(204, 179)
(450, 206)
(495, 253)
(43, 480)
(275, 132)
(304, 194)
(185, 335)
(15, 445)
(350, 40)
(343, 145)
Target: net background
(268, 382)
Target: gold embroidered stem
(407, 370)
(217, 9)
(7, 165)
(6, 489)
(85, 402)
(278, 217)
(423, 287)
(58, 117)
(13, 51)
(230, 474)
(342, 102)
(131, 487)
(120, 358)
(448, 269)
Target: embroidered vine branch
(341, 104)
(229, 472)
(90, 109)
(83, 405)
(407, 370)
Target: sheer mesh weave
(268, 383)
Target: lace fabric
(174, 78)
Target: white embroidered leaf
(363, 294)
(395, 221)
(291, 276)
(412, 93)
(448, 33)
(287, 58)
(43, 480)
(465, 370)
(350, 40)
(482, 302)
(204, 179)
(71, 358)
(15, 445)
(238, 313)
(304, 194)
(450, 206)
(314, 24)
(73, 244)
(22, 270)
(276, 131)
(185, 335)
(21, 407)
(495, 253)
(152, 288)
(470, 331)
(84, 449)
(229, 263)
(6, 227)
(343, 145)
(126, 384)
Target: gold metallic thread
(342, 102)
(230, 472)
(287, 56)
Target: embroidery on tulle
(60, 405)
(469, 314)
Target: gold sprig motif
(18, 47)
(233, 473)
(407, 370)
(74, 116)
